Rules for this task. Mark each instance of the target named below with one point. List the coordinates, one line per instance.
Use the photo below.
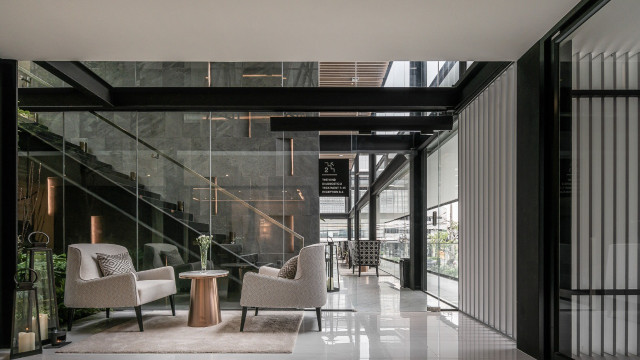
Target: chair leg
(70, 318)
(256, 314)
(319, 316)
(377, 275)
(173, 305)
(353, 269)
(244, 316)
(359, 270)
(139, 316)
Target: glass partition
(154, 181)
(441, 220)
(599, 275)
(393, 222)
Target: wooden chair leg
(108, 312)
(173, 305)
(139, 316)
(256, 314)
(244, 316)
(70, 318)
(319, 316)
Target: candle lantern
(40, 259)
(25, 334)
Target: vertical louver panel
(604, 216)
(487, 186)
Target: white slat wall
(605, 215)
(487, 191)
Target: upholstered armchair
(365, 253)
(308, 289)
(85, 287)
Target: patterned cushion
(289, 268)
(115, 264)
(171, 257)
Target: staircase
(103, 197)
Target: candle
(26, 341)
(44, 327)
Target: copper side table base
(204, 309)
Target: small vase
(203, 258)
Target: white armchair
(307, 290)
(85, 287)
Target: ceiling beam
(370, 143)
(423, 124)
(80, 77)
(243, 99)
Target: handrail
(129, 216)
(193, 172)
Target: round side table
(204, 307)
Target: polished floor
(372, 318)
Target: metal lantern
(40, 259)
(25, 334)
(331, 286)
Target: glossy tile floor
(381, 321)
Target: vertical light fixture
(52, 183)
(96, 229)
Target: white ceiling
(274, 30)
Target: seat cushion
(288, 270)
(149, 290)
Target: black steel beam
(370, 143)
(243, 99)
(605, 93)
(8, 193)
(423, 124)
(80, 77)
(389, 172)
(477, 77)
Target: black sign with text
(334, 177)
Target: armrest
(267, 270)
(163, 273)
(263, 290)
(109, 291)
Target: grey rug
(269, 332)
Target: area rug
(269, 332)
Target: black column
(537, 211)
(373, 203)
(416, 189)
(8, 186)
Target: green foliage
(59, 271)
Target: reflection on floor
(383, 322)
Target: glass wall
(150, 181)
(333, 230)
(599, 276)
(363, 223)
(392, 221)
(441, 219)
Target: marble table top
(198, 274)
